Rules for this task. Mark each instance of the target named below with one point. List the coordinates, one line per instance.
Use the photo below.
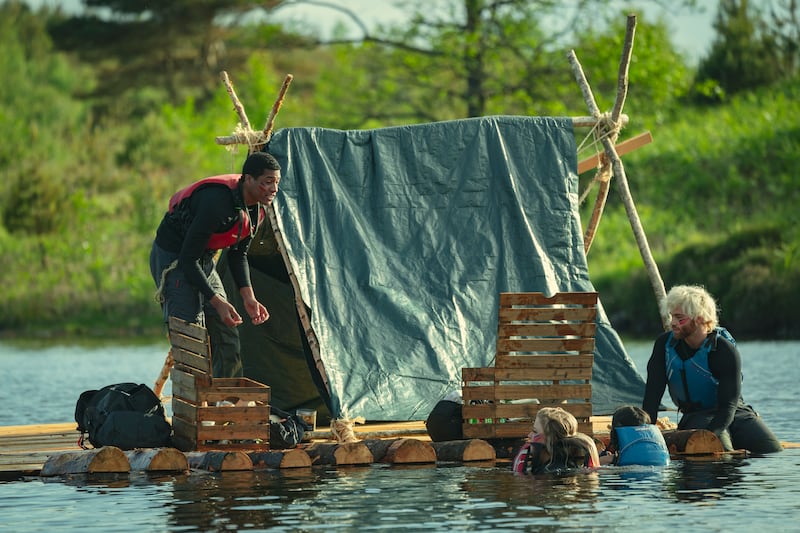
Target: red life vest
(219, 241)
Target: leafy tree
(784, 34)
(472, 58)
(741, 56)
(175, 49)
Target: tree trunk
(219, 461)
(464, 450)
(108, 459)
(401, 451)
(157, 460)
(692, 442)
(348, 453)
(293, 458)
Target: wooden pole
(272, 215)
(578, 122)
(161, 380)
(237, 104)
(276, 107)
(616, 163)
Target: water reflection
(697, 480)
(238, 500)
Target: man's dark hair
(257, 162)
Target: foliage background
(99, 130)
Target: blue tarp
(402, 238)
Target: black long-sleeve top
(186, 231)
(725, 364)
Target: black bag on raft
(286, 430)
(125, 415)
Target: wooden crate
(198, 423)
(545, 352)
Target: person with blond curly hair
(700, 365)
(555, 445)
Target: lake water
(42, 383)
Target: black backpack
(445, 423)
(125, 415)
(288, 432)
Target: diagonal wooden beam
(627, 146)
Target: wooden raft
(198, 423)
(545, 351)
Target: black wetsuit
(737, 424)
(184, 235)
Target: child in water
(555, 445)
(634, 440)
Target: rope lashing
(342, 429)
(159, 294)
(243, 135)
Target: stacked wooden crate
(211, 413)
(545, 351)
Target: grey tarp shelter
(401, 240)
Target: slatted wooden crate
(197, 422)
(545, 351)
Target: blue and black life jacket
(641, 445)
(691, 385)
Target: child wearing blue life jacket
(634, 440)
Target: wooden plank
(508, 299)
(187, 329)
(485, 373)
(509, 363)
(524, 373)
(534, 345)
(183, 409)
(233, 414)
(626, 146)
(523, 410)
(184, 386)
(547, 329)
(543, 392)
(233, 432)
(478, 393)
(190, 344)
(520, 314)
(526, 411)
(200, 363)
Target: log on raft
(157, 460)
(464, 450)
(219, 461)
(105, 460)
(692, 442)
(347, 453)
(401, 451)
(293, 458)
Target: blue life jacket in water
(691, 385)
(641, 445)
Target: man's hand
(258, 313)
(226, 311)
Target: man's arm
(209, 213)
(726, 365)
(656, 378)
